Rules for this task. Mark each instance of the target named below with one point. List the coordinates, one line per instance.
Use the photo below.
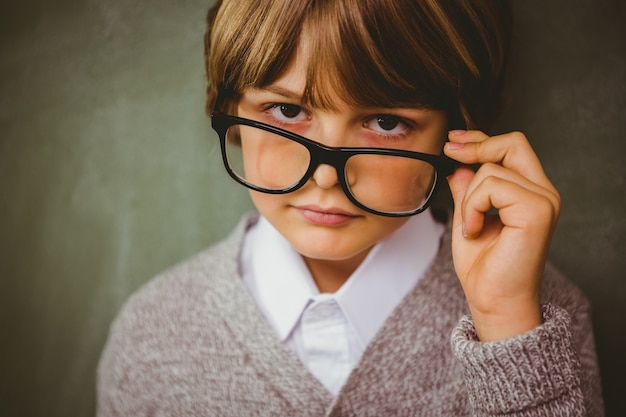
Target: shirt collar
(282, 285)
(276, 276)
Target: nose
(325, 176)
(331, 129)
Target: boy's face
(318, 219)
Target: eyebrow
(282, 91)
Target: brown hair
(441, 54)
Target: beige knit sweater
(193, 343)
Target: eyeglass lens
(385, 183)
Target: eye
(287, 112)
(387, 124)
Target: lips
(326, 216)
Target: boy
(341, 296)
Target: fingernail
(454, 145)
(463, 230)
(457, 132)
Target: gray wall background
(109, 172)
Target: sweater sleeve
(538, 373)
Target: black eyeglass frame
(334, 156)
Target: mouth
(326, 216)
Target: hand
(500, 258)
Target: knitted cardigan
(192, 342)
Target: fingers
(510, 179)
(488, 174)
(511, 150)
(459, 183)
(518, 207)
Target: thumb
(459, 183)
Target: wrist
(515, 319)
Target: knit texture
(193, 343)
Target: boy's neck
(330, 275)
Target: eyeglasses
(387, 182)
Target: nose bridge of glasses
(326, 157)
(327, 164)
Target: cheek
(266, 204)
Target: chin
(332, 251)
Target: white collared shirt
(329, 332)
